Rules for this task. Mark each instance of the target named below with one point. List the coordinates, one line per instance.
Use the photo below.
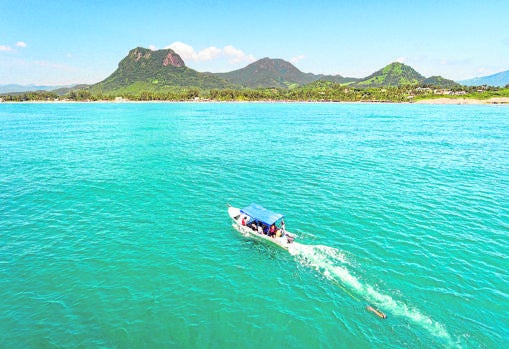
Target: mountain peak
(394, 74)
(274, 65)
(268, 72)
(165, 57)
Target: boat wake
(333, 265)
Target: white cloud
(188, 53)
(152, 47)
(237, 55)
(294, 60)
(209, 53)
(4, 48)
(402, 59)
(7, 48)
(185, 51)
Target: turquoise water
(114, 231)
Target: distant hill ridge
(499, 79)
(15, 88)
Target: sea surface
(114, 230)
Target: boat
(255, 221)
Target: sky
(50, 42)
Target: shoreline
(435, 101)
(460, 101)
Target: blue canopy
(261, 214)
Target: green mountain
(161, 70)
(268, 72)
(394, 74)
(438, 81)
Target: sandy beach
(494, 100)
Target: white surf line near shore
(330, 262)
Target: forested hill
(394, 74)
(439, 82)
(268, 72)
(147, 70)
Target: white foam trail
(330, 263)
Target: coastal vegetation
(318, 91)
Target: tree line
(324, 91)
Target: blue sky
(65, 42)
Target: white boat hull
(236, 216)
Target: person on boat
(260, 229)
(244, 220)
(272, 231)
(282, 227)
